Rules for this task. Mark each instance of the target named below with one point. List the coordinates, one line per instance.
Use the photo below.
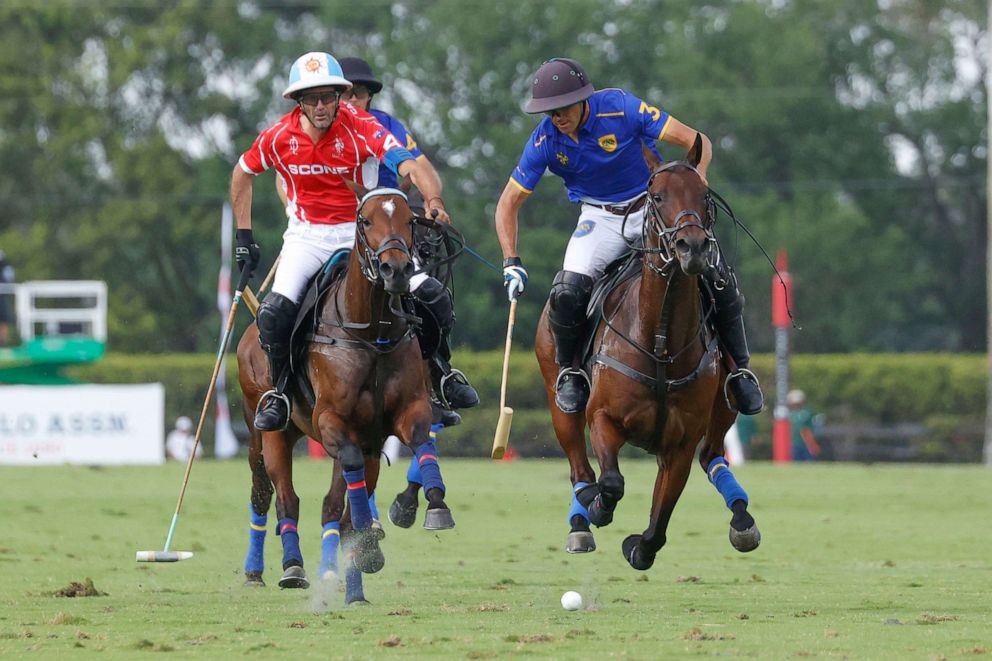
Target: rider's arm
(241, 185)
(510, 201)
(684, 136)
(427, 181)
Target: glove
(247, 253)
(514, 277)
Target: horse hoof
(439, 519)
(403, 513)
(294, 577)
(580, 541)
(745, 540)
(357, 601)
(599, 515)
(253, 579)
(635, 555)
(368, 556)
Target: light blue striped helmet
(314, 70)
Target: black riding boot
(570, 294)
(450, 385)
(730, 327)
(275, 322)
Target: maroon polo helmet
(559, 82)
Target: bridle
(369, 258)
(667, 235)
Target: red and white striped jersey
(312, 173)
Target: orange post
(781, 298)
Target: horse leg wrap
(255, 559)
(578, 508)
(372, 508)
(358, 499)
(329, 543)
(353, 590)
(430, 472)
(291, 554)
(725, 482)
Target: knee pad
(570, 294)
(433, 294)
(275, 319)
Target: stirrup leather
(743, 373)
(458, 376)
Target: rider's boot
(451, 386)
(730, 327)
(275, 323)
(570, 294)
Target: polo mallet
(505, 412)
(165, 555)
(250, 300)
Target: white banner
(85, 424)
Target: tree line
(850, 133)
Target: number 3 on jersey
(655, 113)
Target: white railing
(60, 308)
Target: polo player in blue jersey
(597, 142)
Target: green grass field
(866, 562)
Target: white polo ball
(571, 601)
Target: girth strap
(651, 382)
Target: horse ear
(696, 151)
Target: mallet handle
(506, 352)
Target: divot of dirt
(77, 589)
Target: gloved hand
(247, 253)
(514, 277)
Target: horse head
(384, 236)
(680, 214)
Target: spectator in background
(6, 278)
(179, 442)
(805, 426)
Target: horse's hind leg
(673, 472)
(744, 534)
(258, 509)
(330, 518)
(277, 451)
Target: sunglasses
(557, 112)
(327, 98)
(356, 92)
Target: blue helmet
(314, 70)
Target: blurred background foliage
(851, 133)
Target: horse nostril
(682, 246)
(386, 270)
(408, 269)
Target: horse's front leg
(673, 472)
(277, 454)
(258, 510)
(744, 534)
(414, 427)
(606, 439)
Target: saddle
(308, 319)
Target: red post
(315, 450)
(781, 298)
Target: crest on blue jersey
(584, 228)
(563, 159)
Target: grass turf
(867, 562)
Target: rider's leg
(570, 294)
(729, 324)
(275, 323)
(450, 385)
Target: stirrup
(742, 372)
(459, 377)
(280, 396)
(570, 371)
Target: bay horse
(365, 367)
(656, 374)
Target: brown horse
(369, 380)
(656, 375)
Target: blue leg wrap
(577, 507)
(413, 472)
(358, 499)
(255, 560)
(373, 508)
(329, 547)
(352, 582)
(291, 554)
(725, 482)
(426, 458)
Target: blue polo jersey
(606, 165)
(387, 178)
